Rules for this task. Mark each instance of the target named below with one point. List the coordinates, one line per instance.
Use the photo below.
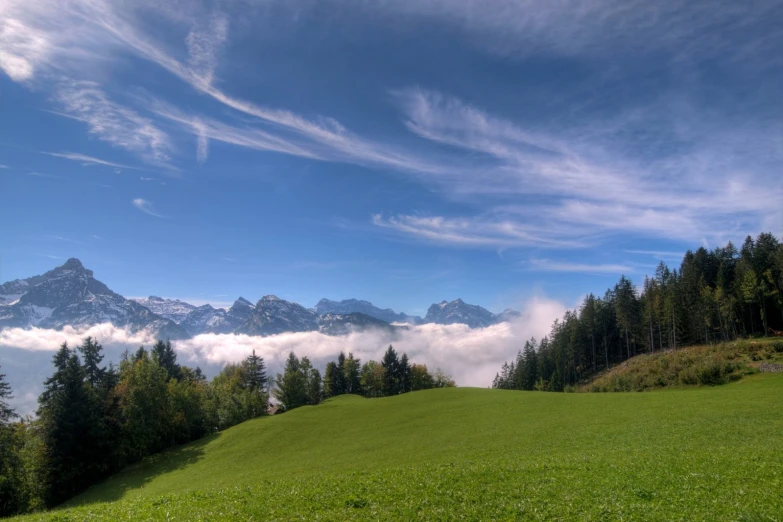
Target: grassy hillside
(694, 365)
(711, 453)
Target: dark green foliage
(167, 359)
(714, 296)
(11, 481)
(329, 382)
(255, 373)
(352, 372)
(6, 412)
(292, 384)
(391, 363)
(420, 378)
(71, 430)
(404, 374)
(96, 420)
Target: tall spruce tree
(291, 386)
(92, 357)
(6, 411)
(70, 429)
(329, 372)
(255, 373)
(404, 374)
(352, 371)
(167, 358)
(391, 363)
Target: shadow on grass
(137, 475)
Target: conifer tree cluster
(95, 419)
(713, 296)
(301, 384)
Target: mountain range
(70, 295)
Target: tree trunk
(627, 344)
(652, 339)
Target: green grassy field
(709, 453)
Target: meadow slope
(709, 453)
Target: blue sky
(401, 152)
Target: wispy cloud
(4, 166)
(64, 239)
(36, 174)
(87, 160)
(680, 28)
(658, 254)
(570, 182)
(146, 206)
(113, 123)
(202, 141)
(564, 266)
(477, 232)
(204, 44)
(528, 184)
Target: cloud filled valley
(471, 356)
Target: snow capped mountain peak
(459, 312)
(173, 309)
(69, 295)
(350, 306)
(273, 315)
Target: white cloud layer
(472, 356)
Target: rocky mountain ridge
(70, 295)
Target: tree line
(715, 295)
(301, 384)
(94, 419)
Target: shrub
(688, 376)
(712, 372)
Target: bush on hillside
(709, 365)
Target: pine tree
(167, 358)
(352, 370)
(530, 358)
(6, 412)
(255, 381)
(70, 430)
(312, 379)
(255, 373)
(91, 358)
(331, 369)
(338, 377)
(390, 363)
(291, 385)
(404, 374)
